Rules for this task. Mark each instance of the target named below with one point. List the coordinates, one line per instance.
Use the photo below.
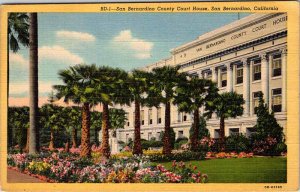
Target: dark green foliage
(180, 142)
(151, 143)
(237, 143)
(179, 139)
(203, 131)
(268, 132)
(18, 123)
(184, 156)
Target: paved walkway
(17, 177)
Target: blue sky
(124, 40)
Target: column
(265, 77)
(214, 74)
(246, 86)
(229, 77)
(219, 77)
(283, 78)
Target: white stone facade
(246, 56)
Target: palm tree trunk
(105, 149)
(222, 133)
(167, 148)
(33, 84)
(137, 148)
(51, 144)
(85, 131)
(74, 137)
(194, 140)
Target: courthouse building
(246, 56)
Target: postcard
(177, 96)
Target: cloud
(141, 48)
(18, 59)
(22, 88)
(59, 54)
(74, 35)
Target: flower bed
(223, 155)
(68, 167)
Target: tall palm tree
(33, 84)
(162, 90)
(225, 105)
(137, 86)
(17, 33)
(110, 87)
(191, 95)
(78, 87)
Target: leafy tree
(73, 117)
(161, 89)
(191, 95)
(225, 105)
(18, 120)
(268, 131)
(78, 87)
(117, 119)
(96, 122)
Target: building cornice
(235, 49)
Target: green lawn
(246, 170)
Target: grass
(244, 170)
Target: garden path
(17, 177)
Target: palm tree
(137, 87)
(17, 33)
(191, 95)
(161, 89)
(225, 105)
(110, 87)
(79, 88)
(33, 84)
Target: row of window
(276, 101)
(236, 131)
(276, 71)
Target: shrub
(237, 143)
(152, 143)
(203, 131)
(281, 148)
(181, 142)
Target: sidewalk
(17, 177)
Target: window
(158, 136)
(223, 77)
(159, 115)
(128, 123)
(276, 66)
(180, 134)
(239, 74)
(179, 116)
(234, 131)
(142, 117)
(209, 75)
(150, 116)
(276, 100)
(217, 133)
(184, 117)
(255, 100)
(250, 131)
(257, 70)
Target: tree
(203, 131)
(79, 88)
(72, 118)
(33, 84)
(117, 119)
(137, 87)
(17, 33)
(110, 87)
(52, 118)
(268, 132)
(96, 122)
(225, 105)
(190, 96)
(161, 89)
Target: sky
(124, 40)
